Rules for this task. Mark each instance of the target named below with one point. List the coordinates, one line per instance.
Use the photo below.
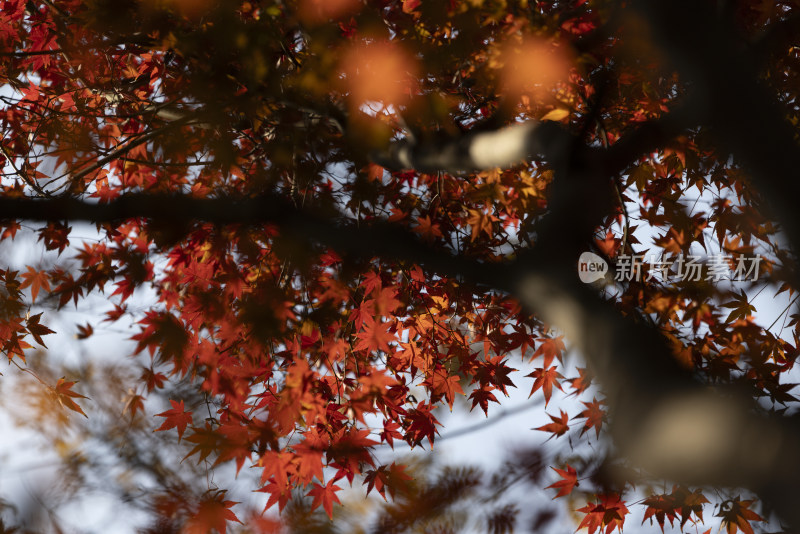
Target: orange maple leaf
(384, 302)
(568, 482)
(550, 348)
(545, 379)
(442, 383)
(375, 336)
(212, 514)
(581, 382)
(36, 280)
(481, 221)
(736, 514)
(559, 425)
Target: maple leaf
(55, 236)
(481, 221)
(494, 371)
(84, 331)
(177, 417)
(581, 382)
(152, 379)
(565, 486)
(482, 396)
(64, 395)
(545, 379)
(116, 313)
(609, 513)
(550, 348)
(423, 424)
(133, 405)
(558, 427)
(324, 495)
(212, 514)
(428, 229)
(278, 494)
(442, 383)
(594, 415)
(206, 441)
(668, 506)
(384, 302)
(390, 432)
(688, 502)
(35, 280)
(736, 515)
(661, 507)
(741, 308)
(308, 457)
(391, 477)
(372, 282)
(36, 329)
(351, 450)
(375, 336)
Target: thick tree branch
(474, 151)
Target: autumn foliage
(301, 294)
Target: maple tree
(342, 216)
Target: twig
(617, 189)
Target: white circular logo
(591, 267)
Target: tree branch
(475, 150)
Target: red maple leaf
(37, 330)
(278, 493)
(609, 513)
(423, 424)
(326, 496)
(482, 396)
(391, 477)
(568, 482)
(545, 379)
(176, 417)
(559, 425)
(64, 395)
(594, 415)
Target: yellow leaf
(556, 115)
